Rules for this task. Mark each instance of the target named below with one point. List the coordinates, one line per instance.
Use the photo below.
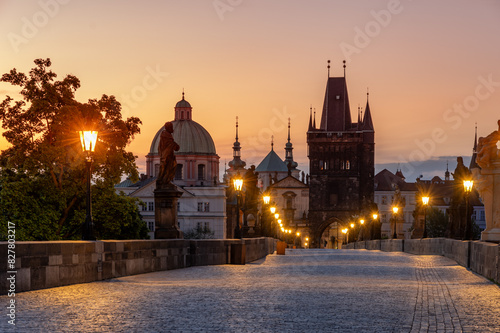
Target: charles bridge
(427, 285)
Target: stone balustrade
(50, 264)
(481, 257)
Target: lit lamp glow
(468, 188)
(273, 210)
(425, 202)
(352, 225)
(395, 210)
(266, 199)
(276, 216)
(238, 185)
(88, 140)
(362, 221)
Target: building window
(384, 200)
(151, 206)
(178, 206)
(151, 226)
(347, 165)
(288, 203)
(201, 171)
(178, 172)
(200, 206)
(144, 207)
(206, 206)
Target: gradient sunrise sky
(432, 67)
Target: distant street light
(375, 217)
(238, 185)
(267, 199)
(425, 202)
(88, 140)
(272, 209)
(468, 188)
(395, 210)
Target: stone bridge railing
(480, 257)
(40, 265)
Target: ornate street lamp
(266, 199)
(467, 189)
(425, 202)
(238, 185)
(395, 210)
(88, 140)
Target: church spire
(289, 162)
(473, 163)
(310, 128)
(236, 163)
(367, 120)
(447, 173)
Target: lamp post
(265, 223)
(238, 185)
(425, 202)
(375, 217)
(362, 232)
(344, 231)
(467, 189)
(395, 210)
(88, 140)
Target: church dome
(191, 137)
(183, 103)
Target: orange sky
(432, 67)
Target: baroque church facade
(202, 203)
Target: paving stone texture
(303, 291)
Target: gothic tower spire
(289, 162)
(236, 163)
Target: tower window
(348, 165)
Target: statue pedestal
(491, 199)
(166, 224)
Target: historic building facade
(341, 161)
(203, 202)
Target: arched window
(201, 171)
(178, 172)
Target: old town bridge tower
(341, 161)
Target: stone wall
(57, 263)
(480, 257)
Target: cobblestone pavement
(303, 291)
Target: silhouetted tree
(42, 173)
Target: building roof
(272, 162)
(182, 103)
(191, 137)
(336, 115)
(387, 181)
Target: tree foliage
(42, 173)
(437, 222)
